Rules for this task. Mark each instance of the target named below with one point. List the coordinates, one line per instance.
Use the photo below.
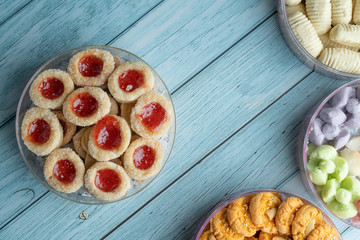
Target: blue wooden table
(239, 92)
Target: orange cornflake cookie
(69, 129)
(130, 80)
(221, 228)
(114, 107)
(307, 218)
(125, 110)
(64, 170)
(143, 158)
(77, 143)
(269, 236)
(107, 181)
(323, 232)
(152, 115)
(41, 131)
(85, 106)
(50, 88)
(207, 235)
(91, 67)
(238, 216)
(263, 208)
(109, 138)
(251, 238)
(286, 213)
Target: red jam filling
(63, 125)
(64, 171)
(107, 133)
(39, 131)
(84, 105)
(144, 157)
(152, 116)
(51, 88)
(107, 180)
(90, 66)
(130, 80)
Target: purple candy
(341, 98)
(352, 121)
(330, 131)
(353, 106)
(342, 139)
(332, 115)
(316, 136)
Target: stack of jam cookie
(266, 216)
(84, 138)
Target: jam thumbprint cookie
(64, 170)
(50, 88)
(130, 80)
(107, 181)
(109, 138)
(152, 115)
(143, 158)
(91, 67)
(69, 129)
(41, 131)
(85, 106)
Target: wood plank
(257, 11)
(170, 38)
(9, 9)
(29, 40)
(250, 88)
(254, 158)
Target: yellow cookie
(221, 228)
(307, 218)
(263, 209)
(286, 213)
(238, 216)
(323, 232)
(208, 235)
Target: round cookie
(41, 131)
(89, 161)
(69, 129)
(114, 107)
(85, 139)
(109, 138)
(307, 218)
(207, 235)
(323, 232)
(77, 143)
(263, 207)
(143, 158)
(221, 228)
(107, 181)
(130, 80)
(64, 170)
(85, 106)
(50, 88)
(125, 111)
(152, 115)
(286, 213)
(238, 216)
(91, 67)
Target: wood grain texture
(174, 34)
(250, 159)
(47, 28)
(174, 28)
(9, 9)
(196, 127)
